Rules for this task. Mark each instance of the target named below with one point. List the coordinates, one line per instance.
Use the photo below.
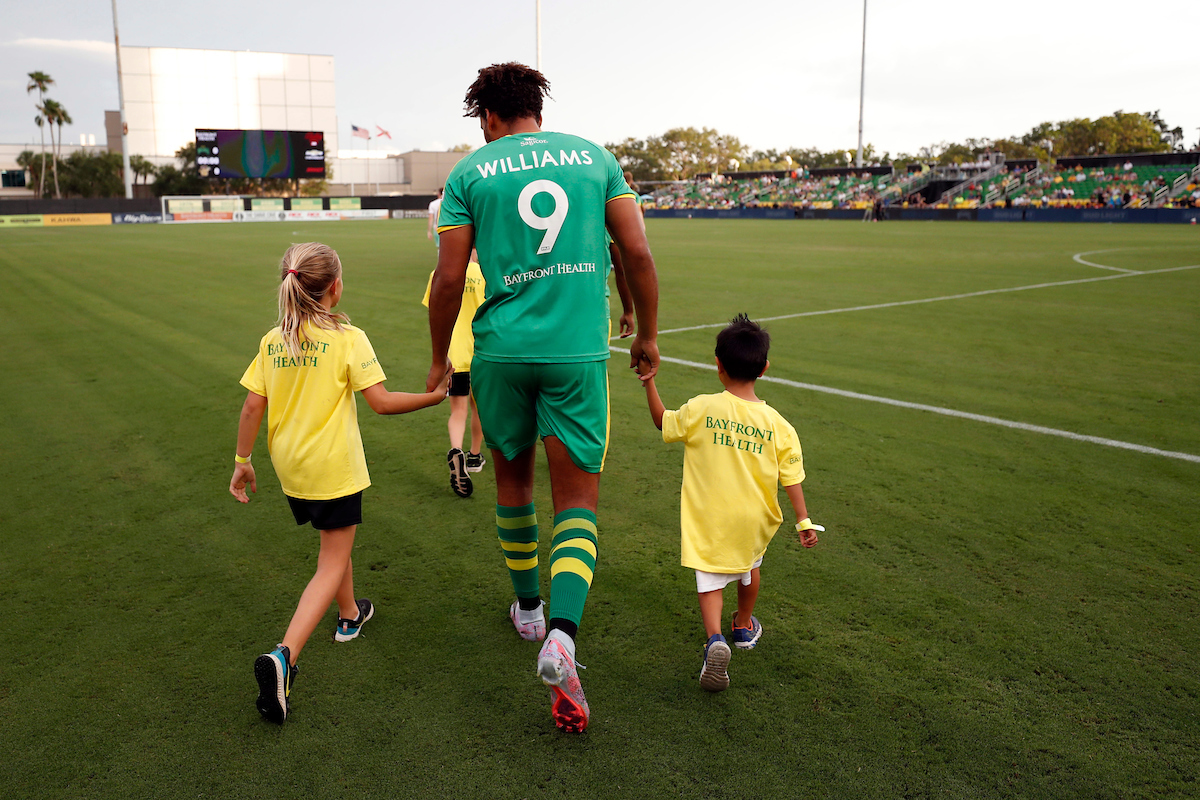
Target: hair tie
(294, 272)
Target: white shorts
(715, 581)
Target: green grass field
(993, 612)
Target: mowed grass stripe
(991, 614)
(949, 412)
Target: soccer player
(535, 205)
(431, 226)
(462, 404)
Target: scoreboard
(260, 154)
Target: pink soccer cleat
(533, 631)
(556, 668)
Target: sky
(773, 73)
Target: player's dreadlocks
(509, 91)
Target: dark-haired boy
(535, 204)
(737, 451)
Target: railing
(958, 189)
(905, 187)
(1016, 183)
(1181, 183)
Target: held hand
(643, 357)
(439, 374)
(243, 474)
(442, 390)
(625, 325)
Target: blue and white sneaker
(348, 629)
(275, 676)
(714, 675)
(746, 638)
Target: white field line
(1078, 258)
(948, 412)
(1122, 274)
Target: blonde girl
(304, 378)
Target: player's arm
(625, 323)
(625, 224)
(382, 401)
(248, 425)
(430, 225)
(445, 296)
(657, 409)
(808, 537)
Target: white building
(171, 92)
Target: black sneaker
(460, 482)
(475, 462)
(275, 675)
(348, 629)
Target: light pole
(121, 102)
(862, 86)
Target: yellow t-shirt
(462, 341)
(736, 455)
(312, 420)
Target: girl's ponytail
(306, 273)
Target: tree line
(678, 154)
(683, 153)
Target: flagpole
(862, 87)
(121, 103)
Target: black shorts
(460, 384)
(325, 515)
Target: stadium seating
(1055, 186)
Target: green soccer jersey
(536, 201)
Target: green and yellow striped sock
(518, 531)
(572, 563)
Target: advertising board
(57, 220)
(259, 216)
(313, 216)
(203, 216)
(21, 221)
(363, 213)
(138, 218)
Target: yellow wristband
(806, 524)
(241, 460)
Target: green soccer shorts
(518, 403)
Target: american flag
(361, 133)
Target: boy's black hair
(742, 347)
(510, 91)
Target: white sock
(567, 642)
(532, 615)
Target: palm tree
(140, 167)
(56, 114)
(40, 81)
